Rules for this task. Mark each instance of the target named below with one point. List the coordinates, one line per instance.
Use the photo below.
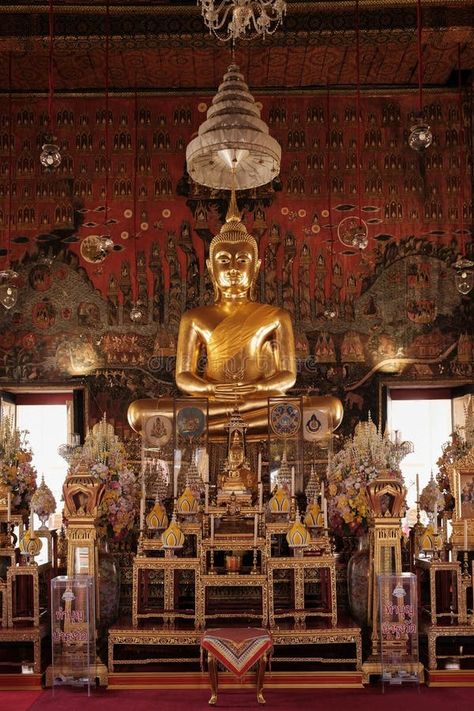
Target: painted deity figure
(249, 347)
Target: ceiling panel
(160, 46)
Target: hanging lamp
(359, 233)
(106, 241)
(354, 232)
(95, 248)
(234, 140)
(420, 137)
(464, 268)
(137, 311)
(50, 157)
(8, 276)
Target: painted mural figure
(304, 301)
(113, 302)
(271, 293)
(174, 293)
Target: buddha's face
(233, 267)
(236, 453)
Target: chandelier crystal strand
(242, 19)
(50, 157)
(8, 277)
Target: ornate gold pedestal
(386, 495)
(83, 493)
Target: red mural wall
(394, 299)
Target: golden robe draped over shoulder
(232, 335)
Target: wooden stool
(237, 648)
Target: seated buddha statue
(237, 478)
(249, 347)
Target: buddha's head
(233, 262)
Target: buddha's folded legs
(254, 411)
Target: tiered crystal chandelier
(233, 143)
(233, 149)
(242, 19)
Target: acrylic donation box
(398, 628)
(73, 634)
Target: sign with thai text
(398, 627)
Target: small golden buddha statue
(237, 478)
(249, 347)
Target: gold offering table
(233, 551)
(24, 602)
(236, 578)
(315, 571)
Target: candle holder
(254, 570)
(293, 508)
(466, 576)
(141, 538)
(212, 570)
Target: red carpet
(405, 699)
(18, 700)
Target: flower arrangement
(456, 448)
(105, 456)
(431, 497)
(16, 469)
(362, 457)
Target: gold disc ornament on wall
(95, 248)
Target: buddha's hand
(231, 391)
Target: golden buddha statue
(249, 347)
(237, 478)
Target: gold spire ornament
(298, 536)
(173, 538)
(314, 517)
(280, 502)
(157, 518)
(187, 504)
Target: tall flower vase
(358, 569)
(109, 586)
